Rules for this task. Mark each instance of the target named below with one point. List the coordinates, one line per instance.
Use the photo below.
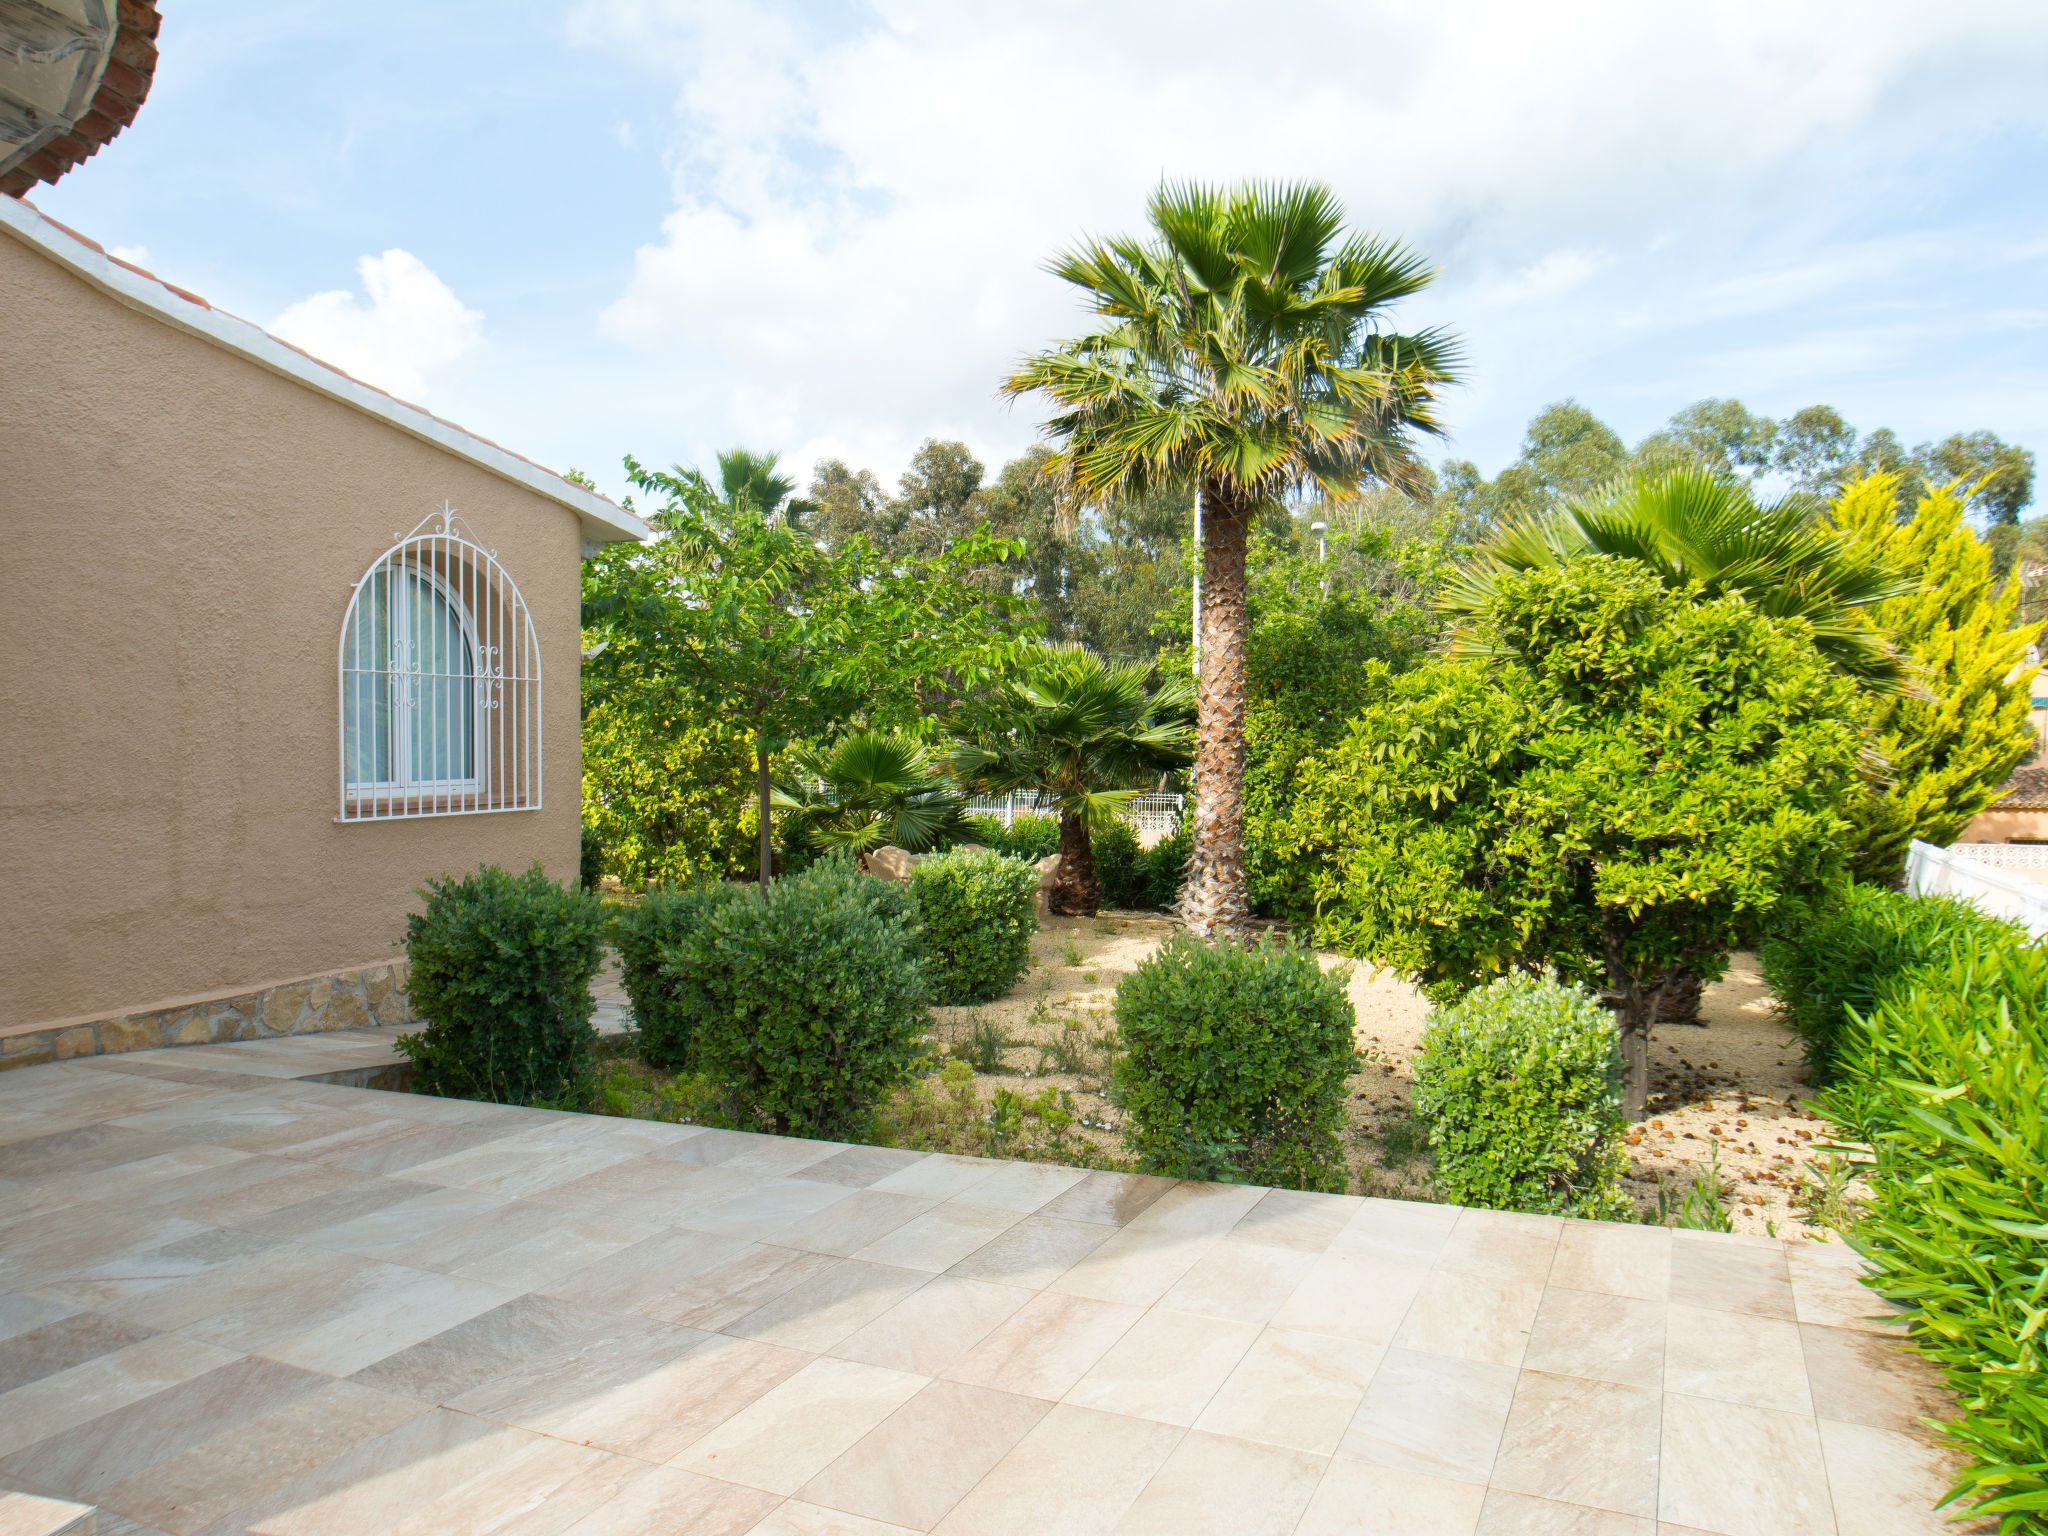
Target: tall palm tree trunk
(1214, 903)
(1076, 889)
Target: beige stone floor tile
(778, 1156)
(1742, 1471)
(847, 1226)
(590, 1490)
(1241, 1282)
(1614, 1260)
(1598, 1336)
(237, 1207)
(633, 1398)
(1076, 1473)
(112, 1381)
(219, 1116)
(1293, 1218)
(1108, 1199)
(388, 1146)
(31, 1514)
(1023, 1187)
(1501, 1245)
(1167, 1367)
(1358, 1498)
(934, 1327)
(1352, 1298)
(1047, 1345)
(512, 1168)
(53, 1246)
(326, 1209)
(400, 1309)
(91, 1148)
(915, 1465)
(308, 1125)
(1737, 1358)
(1887, 1484)
(383, 1233)
(22, 1313)
(115, 1445)
(529, 1334)
(858, 1167)
(1517, 1514)
(1582, 1442)
(1828, 1290)
(1474, 1317)
(370, 1488)
(828, 1304)
(1035, 1252)
(1213, 1485)
(1731, 1277)
(646, 1273)
(1873, 1380)
(1198, 1210)
(26, 1125)
(482, 1237)
(519, 1486)
(937, 1177)
(1432, 1414)
(117, 1280)
(649, 1187)
(765, 1208)
(789, 1434)
(793, 1517)
(157, 1178)
(235, 1465)
(572, 1243)
(70, 1338)
(1134, 1267)
(667, 1500)
(941, 1237)
(1405, 1232)
(1296, 1390)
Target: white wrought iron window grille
(440, 682)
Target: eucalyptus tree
(1240, 355)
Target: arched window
(440, 683)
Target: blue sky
(632, 226)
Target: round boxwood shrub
(499, 966)
(1232, 1063)
(1116, 863)
(1161, 870)
(1520, 1084)
(978, 910)
(643, 931)
(807, 1007)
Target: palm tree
(1693, 524)
(878, 790)
(1240, 357)
(1090, 734)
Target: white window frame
(504, 680)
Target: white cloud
(863, 203)
(412, 326)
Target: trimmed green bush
(499, 966)
(1232, 1063)
(979, 910)
(590, 868)
(1520, 1082)
(1161, 870)
(643, 932)
(1116, 863)
(1948, 1084)
(808, 1007)
(1028, 837)
(1832, 968)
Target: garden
(1541, 839)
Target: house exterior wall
(179, 532)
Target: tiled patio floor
(239, 1301)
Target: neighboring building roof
(2026, 790)
(69, 83)
(603, 520)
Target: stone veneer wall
(356, 999)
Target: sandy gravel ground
(1732, 1094)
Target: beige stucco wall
(179, 531)
(2007, 827)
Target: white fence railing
(1148, 812)
(1979, 873)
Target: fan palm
(878, 790)
(1240, 357)
(1695, 525)
(1090, 734)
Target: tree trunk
(1214, 902)
(1076, 892)
(767, 833)
(1681, 1003)
(1635, 1008)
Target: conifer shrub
(1232, 1063)
(500, 966)
(1520, 1084)
(978, 910)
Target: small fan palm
(1090, 734)
(1694, 525)
(878, 791)
(1239, 356)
